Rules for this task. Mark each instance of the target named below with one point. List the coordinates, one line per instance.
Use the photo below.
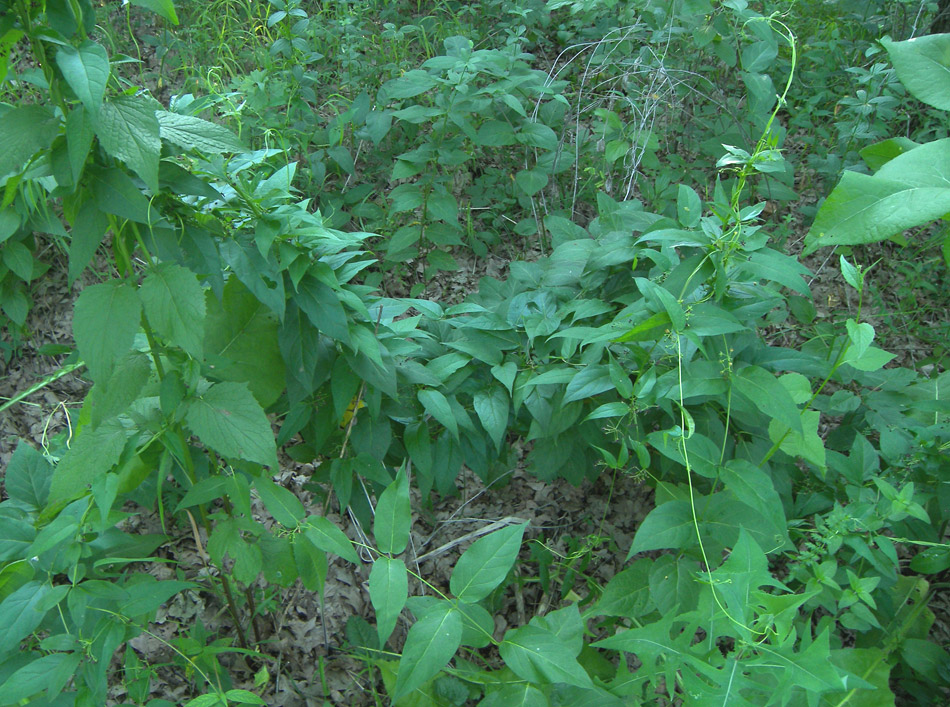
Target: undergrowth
(307, 165)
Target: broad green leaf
(746, 569)
(765, 392)
(174, 304)
(880, 153)
(191, 133)
(34, 677)
(531, 181)
(388, 591)
(19, 616)
(16, 536)
(491, 406)
(484, 565)
(540, 657)
(863, 209)
(662, 301)
(923, 66)
(667, 526)
(244, 697)
(128, 130)
(115, 193)
(241, 342)
(163, 8)
(148, 596)
(27, 476)
(689, 207)
(283, 505)
(326, 536)
(311, 563)
(86, 70)
(323, 308)
(587, 382)
(105, 320)
(515, 695)
(79, 135)
(811, 669)
(91, 455)
(409, 85)
(114, 396)
(930, 561)
(88, 230)
(627, 593)
(23, 132)
(806, 444)
(228, 419)
(18, 258)
(871, 666)
(393, 517)
(436, 404)
(430, 645)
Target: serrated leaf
(174, 304)
(86, 70)
(105, 320)
(191, 133)
(484, 565)
(393, 516)
(491, 406)
(88, 230)
(282, 504)
(91, 455)
(430, 645)
(241, 342)
(23, 132)
(326, 536)
(388, 591)
(228, 419)
(27, 476)
(128, 130)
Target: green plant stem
(63, 371)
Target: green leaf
(667, 526)
(587, 382)
(430, 645)
(18, 258)
(767, 393)
(228, 419)
(923, 66)
(191, 133)
(241, 342)
(531, 181)
(393, 516)
(311, 563)
(86, 70)
(19, 615)
(24, 131)
(388, 591)
(174, 304)
(244, 697)
(34, 677)
(163, 8)
(689, 207)
(486, 563)
(930, 561)
(114, 396)
(627, 593)
(88, 230)
(806, 444)
(27, 476)
(540, 656)
(491, 406)
(326, 536)
(662, 301)
(91, 455)
(128, 130)
(515, 695)
(283, 505)
(323, 308)
(115, 193)
(105, 320)
(436, 404)
(863, 209)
